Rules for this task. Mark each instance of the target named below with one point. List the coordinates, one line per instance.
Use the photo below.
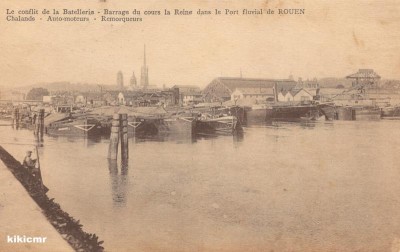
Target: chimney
(276, 92)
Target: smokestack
(276, 92)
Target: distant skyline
(332, 39)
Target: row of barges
(143, 121)
(213, 119)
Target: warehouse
(221, 88)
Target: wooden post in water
(41, 123)
(16, 118)
(124, 137)
(114, 138)
(14, 121)
(36, 124)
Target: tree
(37, 94)
(340, 86)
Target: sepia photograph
(199, 125)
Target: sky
(332, 39)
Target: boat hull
(227, 124)
(81, 127)
(358, 113)
(290, 112)
(141, 125)
(367, 113)
(256, 115)
(152, 126)
(390, 112)
(177, 125)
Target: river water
(324, 186)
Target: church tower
(144, 77)
(133, 80)
(120, 80)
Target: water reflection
(164, 137)
(119, 181)
(89, 140)
(238, 138)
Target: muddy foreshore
(69, 228)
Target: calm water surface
(325, 186)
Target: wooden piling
(114, 138)
(16, 118)
(14, 121)
(124, 137)
(41, 123)
(37, 129)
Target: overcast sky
(332, 39)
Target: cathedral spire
(144, 77)
(144, 56)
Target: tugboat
(391, 112)
(207, 123)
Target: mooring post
(14, 121)
(41, 122)
(16, 118)
(114, 138)
(36, 130)
(124, 137)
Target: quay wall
(36, 215)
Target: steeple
(144, 77)
(144, 56)
(133, 80)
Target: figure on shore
(29, 163)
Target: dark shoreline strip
(69, 228)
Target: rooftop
(364, 73)
(237, 83)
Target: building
(121, 99)
(120, 80)
(252, 95)
(144, 77)
(187, 94)
(296, 95)
(364, 78)
(79, 99)
(221, 88)
(192, 98)
(169, 97)
(48, 99)
(307, 84)
(285, 96)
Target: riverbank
(20, 215)
(41, 217)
